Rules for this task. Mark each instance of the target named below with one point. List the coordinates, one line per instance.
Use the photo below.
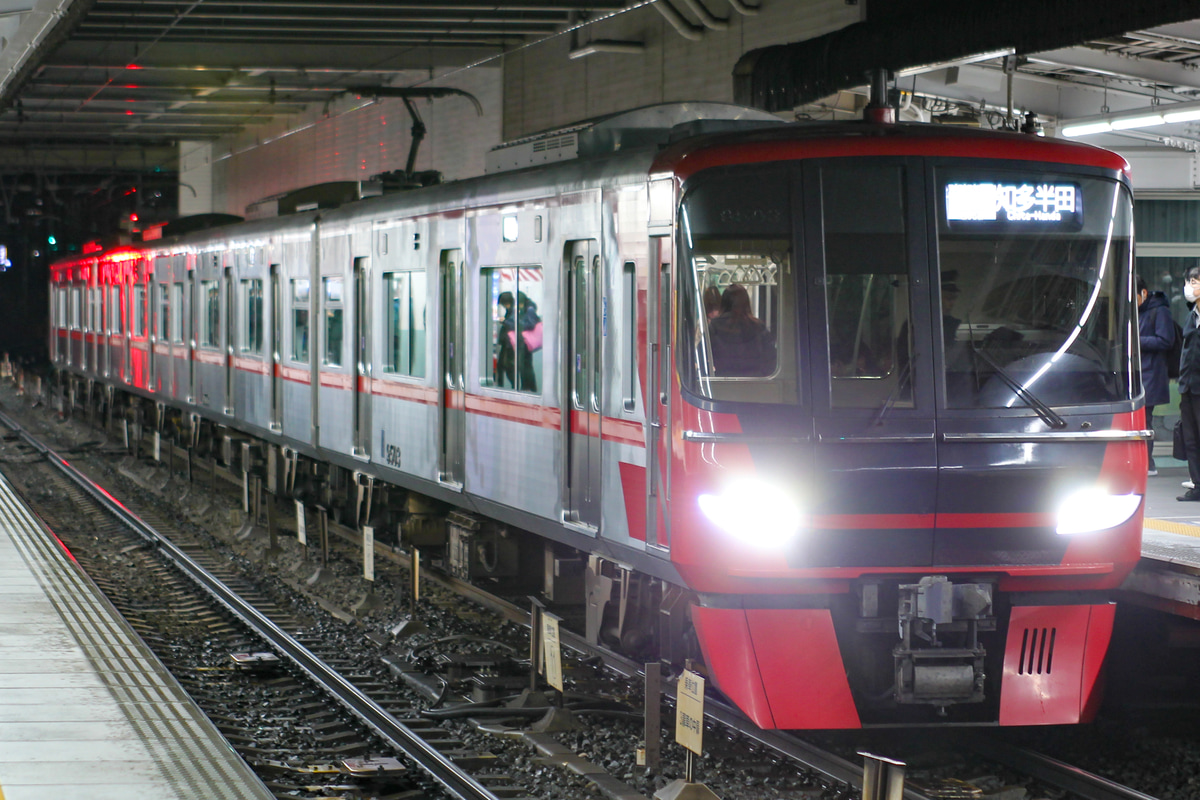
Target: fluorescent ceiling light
(1144, 121)
(1182, 116)
(1087, 128)
(1145, 117)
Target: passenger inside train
(742, 346)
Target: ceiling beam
(1119, 66)
(43, 27)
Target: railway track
(370, 698)
(419, 742)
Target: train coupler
(939, 660)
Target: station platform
(1168, 576)
(86, 709)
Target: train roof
(626, 148)
(842, 139)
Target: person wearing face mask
(1189, 384)
(1157, 334)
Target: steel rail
(827, 764)
(353, 699)
(1054, 772)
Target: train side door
(129, 312)
(276, 350)
(95, 327)
(230, 332)
(192, 332)
(153, 290)
(112, 308)
(658, 393)
(88, 300)
(581, 422)
(870, 364)
(362, 358)
(452, 399)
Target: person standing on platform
(1157, 334)
(1189, 384)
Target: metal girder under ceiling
(133, 73)
(1077, 61)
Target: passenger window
(866, 286)
(76, 313)
(333, 322)
(164, 312)
(115, 322)
(176, 313)
(139, 311)
(210, 304)
(251, 311)
(404, 296)
(300, 301)
(513, 328)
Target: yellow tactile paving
(1181, 528)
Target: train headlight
(756, 513)
(1095, 510)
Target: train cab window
(210, 314)
(867, 286)
(404, 296)
(300, 320)
(177, 313)
(334, 314)
(737, 305)
(164, 312)
(63, 319)
(139, 310)
(513, 327)
(250, 309)
(1034, 289)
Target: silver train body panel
(316, 371)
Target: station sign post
(689, 734)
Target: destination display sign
(1034, 205)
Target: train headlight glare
(756, 513)
(1095, 510)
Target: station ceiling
(122, 75)
(92, 86)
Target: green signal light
(52, 240)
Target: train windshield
(1035, 300)
(737, 232)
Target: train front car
(907, 452)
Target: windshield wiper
(1048, 414)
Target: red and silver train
(851, 411)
